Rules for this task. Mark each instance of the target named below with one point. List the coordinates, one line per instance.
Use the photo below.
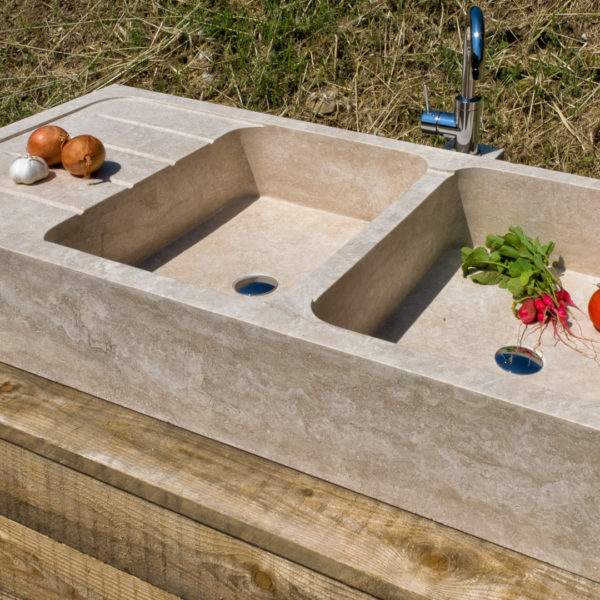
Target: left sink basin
(258, 200)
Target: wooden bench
(98, 501)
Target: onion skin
(82, 155)
(47, 142)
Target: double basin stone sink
(370, 364)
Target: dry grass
(355, 64)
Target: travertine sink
(257, 200)
(372, 363)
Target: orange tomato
(594, 308)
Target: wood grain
(7, 596)
(381, 550)
(168, 550)
(35, 566)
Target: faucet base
(484, 150)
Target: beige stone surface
(255, 236)
(371, 366)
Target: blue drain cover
(519, 360)
(255, 285)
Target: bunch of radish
(544, 308)
(521, 265)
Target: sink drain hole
(255, 285)
(519, 360)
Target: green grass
(355, 64)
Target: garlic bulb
(28, 169)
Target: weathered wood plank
(373, 547)
(168, 550)
(35, 566)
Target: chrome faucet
(462, 126)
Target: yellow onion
(47, 142)
(82, 155)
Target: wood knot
(434, 560)
(308, 492)
(263, 580)
(7, 386)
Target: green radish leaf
(480, 254)
(464, 252)
(525, 277)
(494, 241)
(525, 252)
(516, 230)
(509, 251)
(515, 287)
(473, 257)
(515, 269)
(539, 262)
(548, 248)
(524, 239)
(525, 263)
(495, 256)
(512, 239)
(488, 277)
(478, 258)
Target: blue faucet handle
(437, 122)
(431, 120)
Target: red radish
(563, 296)
(527, 312)
(562, 315)
(547, 300)
(567, 298)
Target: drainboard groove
(27, 196)
(158, 128)
(141, 154)
(210, 113)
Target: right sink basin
(408, 288)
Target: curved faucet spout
(462, 126)
(477, 41)
(473, 52)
